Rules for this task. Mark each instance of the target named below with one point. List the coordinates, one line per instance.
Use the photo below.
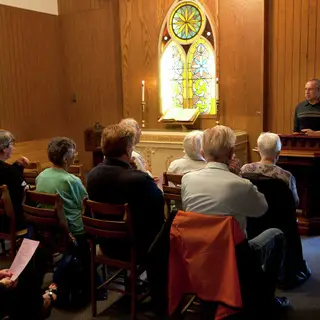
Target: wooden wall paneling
(304, 43)
(312, 30)
(241, 27)
(72, 6)
(92, 62)
(281, 62)
(296, 89)
(141, 22)
(272, 91)
(293, 58)
(287, 115)
(317, 60)
(30, 64)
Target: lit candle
(217, 89)
(142, 90)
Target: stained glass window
(186, 22)
(201, 76)
(187, 68)
(173, 77)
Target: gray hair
(6, 138)
(218, 141)
(130, 122)
(192, 144)
(59, 148)
(317, 81)
(269, 144)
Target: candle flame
(143, 82)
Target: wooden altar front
(300, 155)
(159, 148)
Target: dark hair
(116, 139)
(58, 148)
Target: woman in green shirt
(57, 179)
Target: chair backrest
(31, 172)
(44, 210)
(107, 220)
(6, 208)
(173, 178)
(77, 170)
(281, 205)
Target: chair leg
(3, 247)
(133, 293)
(93, 283)
(13, 248)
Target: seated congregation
(229, 247)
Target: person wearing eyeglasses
(11, 175)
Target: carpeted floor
(305, 300)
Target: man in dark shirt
(115, 181)
(307, 113)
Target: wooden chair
(120, 228)
(171, 191)
(7, 213)
(77, 170)
(31, 172)
(49, 223)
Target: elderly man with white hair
(269, 146)
(215, 190)
(192, 159)
(137, 159)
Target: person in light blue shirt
(61, 152)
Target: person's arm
(293, 188)
(296, 127)
(16, 186)
(251, 203)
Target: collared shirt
(307, 116)
(185, 165)
(215, 190)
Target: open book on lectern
(180, 115)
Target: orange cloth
(202, 260)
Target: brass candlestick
(143, 110)
(218, 113)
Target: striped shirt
(307, 116)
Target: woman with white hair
(137, 160)
(269, 146)
(192, 159)
(12, 177)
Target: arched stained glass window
(188, 71)
(201, 76)
(173, 76)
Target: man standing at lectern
(307, 113)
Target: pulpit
(300, 155)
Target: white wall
(46, 6)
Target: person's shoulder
(301, 105)
(249, 167)
(134, 175)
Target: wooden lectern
(300, 155)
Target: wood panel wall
(141, 22)
(293, 58)
(91, 56)
(30, 74)
(241, 26)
